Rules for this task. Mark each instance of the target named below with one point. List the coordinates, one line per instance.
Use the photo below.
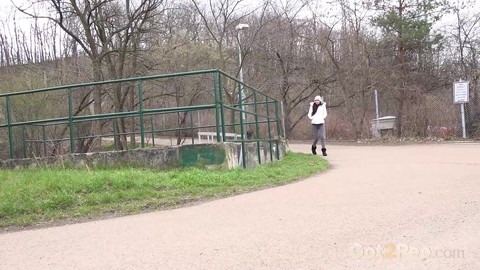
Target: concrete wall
(218, 155)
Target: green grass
(35, 196)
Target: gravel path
(379, 207)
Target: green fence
(137, 112)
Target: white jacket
(319, 117)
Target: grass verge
(38, 196)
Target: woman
(317, 113)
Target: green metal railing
(264, 111)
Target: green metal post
(222, 112)
(234, 126)
(44, 141)
(9, 122)
(115, 138)
(191, 126)
(218, 105)
(269, 130)
(70, 119)
(153, 130)
(277, 117)
(24, 142)
(77, 132)
(140, 109)
(257, 129)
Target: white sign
(460, 92)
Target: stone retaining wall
(219, 155)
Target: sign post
(461, 96)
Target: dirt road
(379, 207)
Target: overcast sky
(8, 13)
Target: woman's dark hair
(315, 108)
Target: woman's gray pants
(318, 132)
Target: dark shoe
(324, 152)
(314, 149)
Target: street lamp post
(239, 28)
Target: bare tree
(286, 63)
(110, 33)
(348, 49)
(220, 18)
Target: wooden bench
(212, 135)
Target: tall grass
(34, 195)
